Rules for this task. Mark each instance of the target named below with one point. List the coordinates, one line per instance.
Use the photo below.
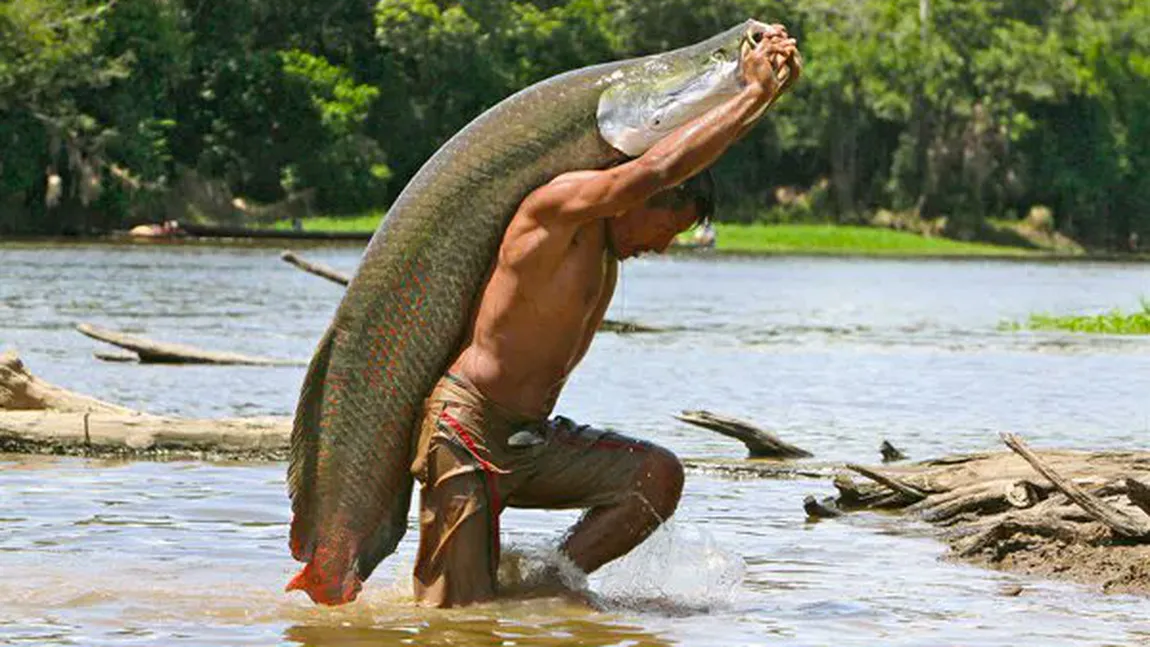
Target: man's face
(649, 229)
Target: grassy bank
(844, 239)
(366, 222)
(772, 239)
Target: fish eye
(719, 55)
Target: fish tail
(327, 581)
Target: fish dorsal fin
(301, 475)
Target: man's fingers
(775, 46)
(794, 65)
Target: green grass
(805, 239)
(1114, 322)
(845, 239)
(366, 222)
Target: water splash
(679, 570)
(525, 570)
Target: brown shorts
(474, 458)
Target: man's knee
(661, 481)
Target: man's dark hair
(699, 190)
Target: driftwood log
(150, 351)
(41, 418)
(760, 442)
(335, 276)
(22, 391)
(1078, 515)
(131, 434)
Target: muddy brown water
(834, 354)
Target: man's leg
(628, 486)
(609, 531)
(458, 520)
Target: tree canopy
(960, 110)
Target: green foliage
(1114, 322)
(48, 62)
(347, 162)
(449, 62)
(969, 112)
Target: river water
(835, 355)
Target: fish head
(645, 101)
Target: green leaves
(342, 103)
(986, 108)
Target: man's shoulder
(551, 196)
(536, 231)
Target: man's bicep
(587, 195)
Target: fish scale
(408, 306)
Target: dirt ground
(1113, 568)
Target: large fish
(407, 308)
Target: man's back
(548, 291)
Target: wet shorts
(474, 458)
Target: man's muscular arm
(586, 195)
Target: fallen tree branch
(890, 453)
(165, 353)
(626, 327)
(760, 443)
(41, 418)
(20, 390)
(315, 268)
(906, 490)
(1115, 519)
(116, 356)
(57, 432)
(1138, 493)
(825, 509)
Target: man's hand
(775, 51)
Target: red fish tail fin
(328, 586)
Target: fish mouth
(657, 94)
(755, 33)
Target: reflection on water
(835, 355)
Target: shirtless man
(486, 441)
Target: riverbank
(775, 239)
(815, 239)
(851, 240)
(1075, 515)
